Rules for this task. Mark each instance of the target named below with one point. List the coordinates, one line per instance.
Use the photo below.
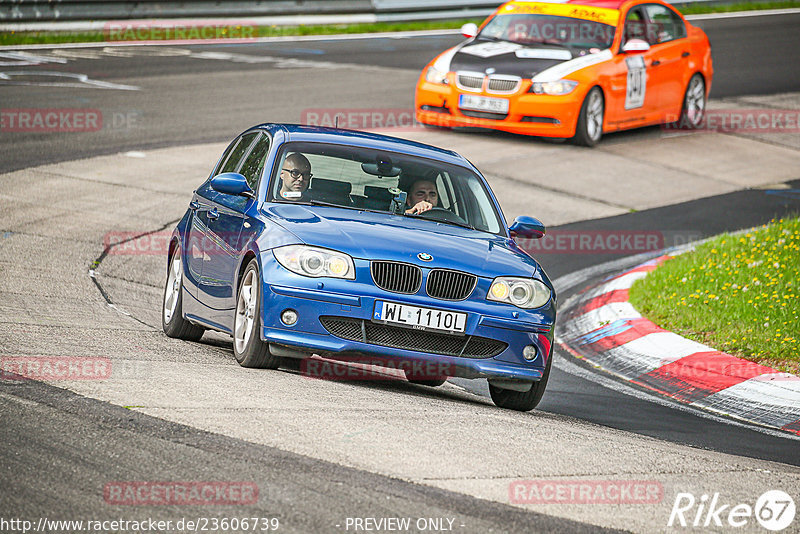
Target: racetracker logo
(774, 510)
(373, 369)
(50, 120)
(180, 30)
(754, 121)
(54, 368)
(585, 492)
(144, 493)
(594, 242)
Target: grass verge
(56, 37)
(736, 293)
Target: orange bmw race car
(573, 69)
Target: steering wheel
(437, 213)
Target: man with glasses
(295, 177)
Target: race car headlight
(315, 262)
(521, 292)
(433, 75)
(561, 87)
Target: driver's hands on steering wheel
(420, 207)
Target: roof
(319, 134)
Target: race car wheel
(694, 104)
(523, 401)
(590, 121)
(248, 348)
(432, 382)
(172, 320)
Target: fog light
(289, 317)
(530, 352)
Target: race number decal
(637, 82)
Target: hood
(507, 58)
(381, 236)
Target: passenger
(422, 196)
(295, 177)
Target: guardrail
(21, 11)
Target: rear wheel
(172, 320)
(523, 401)
(590, 121)
(694, 104)
(248, 348)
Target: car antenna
(336, 121)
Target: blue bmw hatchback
(352, 245)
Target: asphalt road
(83, 443)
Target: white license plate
(483, 103)
(420, 318)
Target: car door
(633, 97)
(220, 217)
(670, 50)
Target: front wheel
(694, 104)
(590, 121)
(172, 320)
(248, 348)
(523, 401)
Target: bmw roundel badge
(424, 256)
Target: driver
(422, 196)
(295, 177)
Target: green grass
(736, 293)
(55, 37)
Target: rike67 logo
(774, 510)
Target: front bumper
(353, 301)
(529, 114)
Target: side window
(664, 24)
(254, 164)
(232, 163)
(634, 26)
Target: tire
(248, 348)
(694, 104)
(432, 382)
(519, 400)
(590, 121)
(172, 320)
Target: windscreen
(531, 29)
(369, 179)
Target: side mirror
(232, 183)
(635, 46)
(469, 30)
(527, 227)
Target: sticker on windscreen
(636, 82)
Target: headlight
(315, 262)
(561, 87)
(436, 76)
(521, 292)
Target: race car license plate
(483, 103)
(420, 318)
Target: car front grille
(503, 85)
(450, 285)
(484, 115)
(396, 277)
(408, 339)
(469, 81)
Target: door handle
(213, 214)
(655, 63)
(193, 205)
(685, 54)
